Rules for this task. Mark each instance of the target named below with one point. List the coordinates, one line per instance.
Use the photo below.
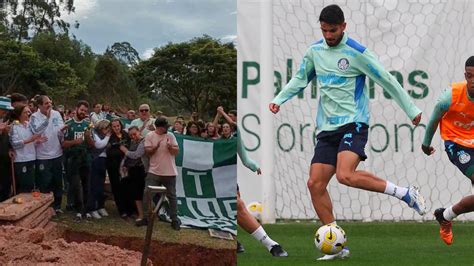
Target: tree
(64, 49)
(112, 83)
(30, 17)
(23, 70)
(13, 73)
(197, 75)
(124, 52)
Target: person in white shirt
(98, 138)
(95, 116)
(145, 122)
(49, 124)
(23, 142)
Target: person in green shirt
(341, 66)
(77, 159)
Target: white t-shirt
(51, 149)
(23, 152)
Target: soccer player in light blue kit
(341, 66)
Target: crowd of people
(47, 148)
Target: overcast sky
(147, 24)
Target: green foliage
(112, 83)
(124, 52)
(31, 17)
(197, 75)
(14, 75)
(63, 49)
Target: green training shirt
(341, 73)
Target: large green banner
(206, 185)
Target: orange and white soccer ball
(330, 239)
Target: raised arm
(39, 123)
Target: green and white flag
(206, 185)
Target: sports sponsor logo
(462, 125)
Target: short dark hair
(40, 99)
(470, 62)
(332, 14)
(18, 97)
(82, 102)
(161, 122)
(234, 112)
(133, 127)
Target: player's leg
(351, 152)
(461, 157)
(319, 176)
(251, 226)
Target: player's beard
(80, 117)
(336, 42)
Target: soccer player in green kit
(77, 159)
(341, 66)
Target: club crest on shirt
(343, 64)
(464, 157)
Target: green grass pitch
(375, 243)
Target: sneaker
(445, 227)
(141, 222)
(176, 224)
(88, 215)
(278, 251)
(343, 254)
(58, 211)
(78, 217)
(240, 248)
(103, 212)
(124, 216)
(95, 215)
(415, 200)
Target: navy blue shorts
(350, 137)
(461, 156)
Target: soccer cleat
(240, 248)
(278, 251)
(103, 212)
(343, 254)
(415, 200)
(445, 227)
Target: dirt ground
(162, 253)
(22, 246)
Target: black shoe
(176, 224)
(438, 213)
(278, 251)
(240, 248)
(141, 222)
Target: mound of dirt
(22, 246)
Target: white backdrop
(424, 43)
